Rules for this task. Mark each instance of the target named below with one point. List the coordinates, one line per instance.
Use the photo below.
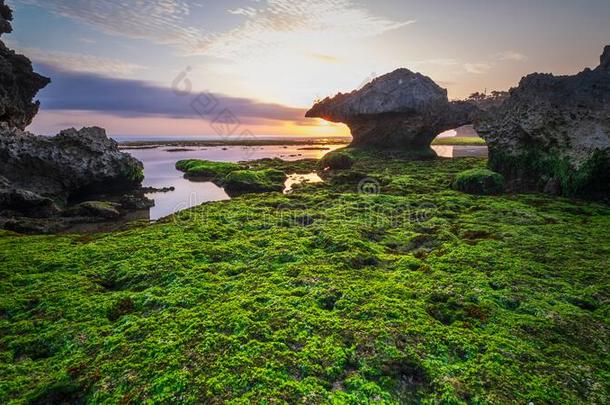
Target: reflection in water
(448, 151)
(160, 171)
(299, 179)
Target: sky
(244, 68)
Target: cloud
(159, 21)
(511, 55)
(132, 98)
(477, 68)
(267, 24)
(80, 62)
(325, 58)
(281, 23)
(485, 67)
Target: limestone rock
(554, 130)
(401, 109)
(19, 84)
(69, 165)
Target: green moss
(337, 160)
(196, 168)
(134, 174)
(418, 294)
(460, 141)
(534, 169)
(245, 181)
(479, 181)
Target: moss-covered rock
(337, 160)
(479, 181)
(254, 181)
(97, 209)
(552, 134)
(535, 170)
(196, 168)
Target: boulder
(70, 165)
(553, 133)
(479, 181)
(19, 84)
(337, 160)
(95, 209)
(401, 109)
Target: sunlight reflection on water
(160, 171)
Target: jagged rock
(19, 84)
(401, 109)
(553, 133)
(69, 165)
(604, 60)
(6, 16)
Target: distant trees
(494, 96)
(485, 101)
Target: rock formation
(401, 109)
(18, 82)
(71, 164)
(41, 176)
(553, 133)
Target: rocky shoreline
(48, 184)
(550, 134)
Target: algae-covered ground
(380, 285)
(460, 141)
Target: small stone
(97, 209)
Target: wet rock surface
(402, 109)
(553, 133)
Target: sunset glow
(276, 57)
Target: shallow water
(160, 171)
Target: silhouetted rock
(6, 16)
(401, 109)
(19, 84)
(553, 133)
(71, 164)
(605, 59)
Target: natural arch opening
(463, 141)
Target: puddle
(294, 179)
